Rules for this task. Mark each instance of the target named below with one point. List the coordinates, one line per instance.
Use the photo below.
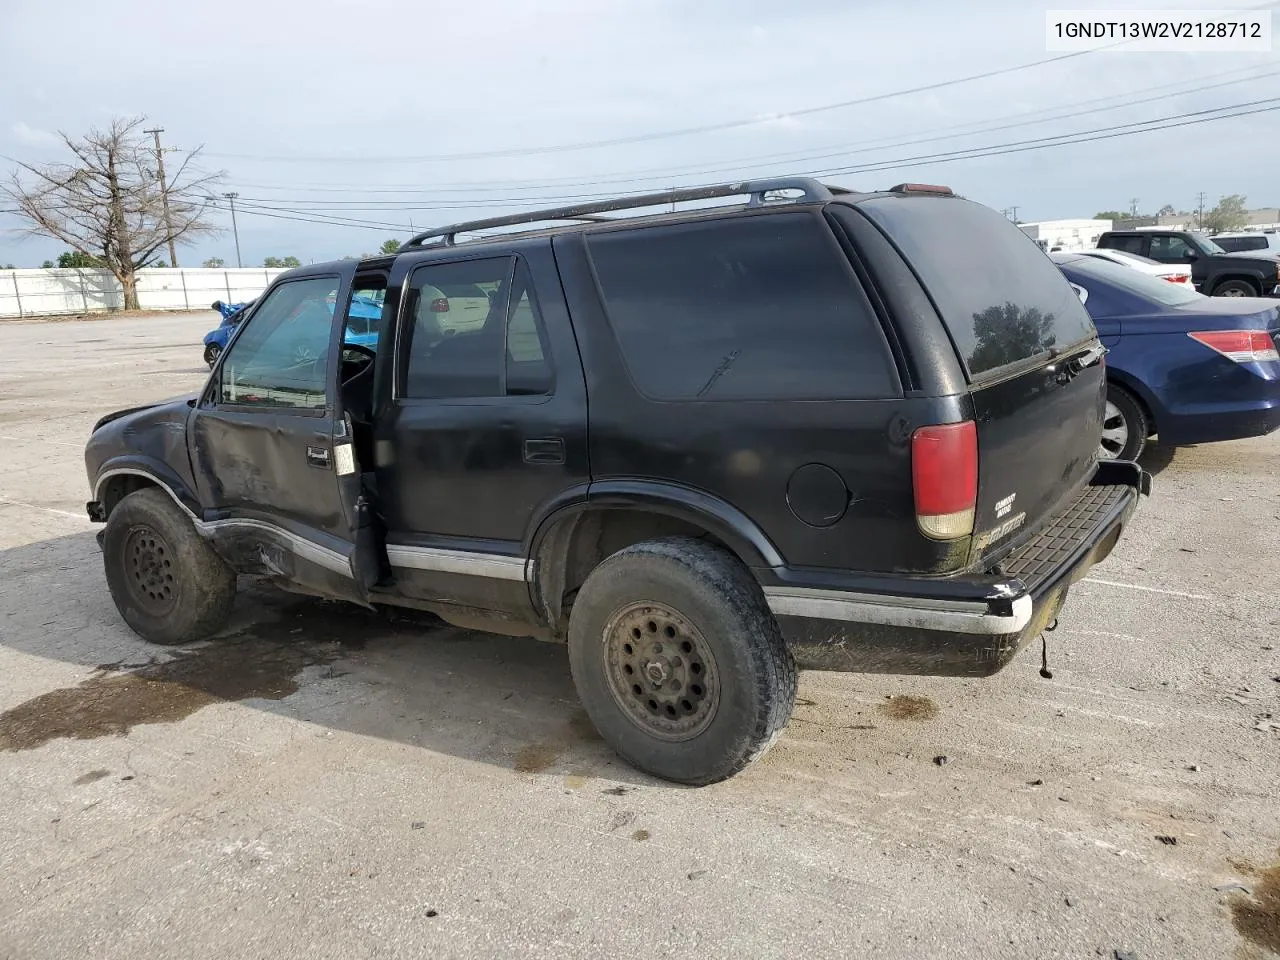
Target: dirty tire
(199, 587)
(1135, 421)
(1235, 288)
(716, 596)
(211, 354)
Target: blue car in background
(1191, 368)
(362, 325)
(215, 341)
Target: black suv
(1214, 271)
(701, 447)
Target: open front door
(274, 449)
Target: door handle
(318, 456)
(549, 450)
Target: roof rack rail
(810, 189)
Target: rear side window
(1130, 244)
(474, 330)
(1002, 299)
(1238, 244)
(750, 308)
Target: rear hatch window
(1009, 311)
(1003, 301)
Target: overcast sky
(312, 107)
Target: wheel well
(578, 544)
(1140, 401)
(120, 486)
(1251, 282)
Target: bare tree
(108, 202)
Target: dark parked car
(1190, 368)
(1214, 271)
(702, 447)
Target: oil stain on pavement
(261, 662)
(1257, 917)
(535, 757)
(909, 707)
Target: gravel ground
(328, 783)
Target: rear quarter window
(748, 308)
(1239, 244)
(1002, 300)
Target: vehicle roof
(1142, 230)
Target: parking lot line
(1134, 586)
(8, 501)
(60, 443)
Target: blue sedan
(1190, 368)
(362, 325)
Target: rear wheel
(211, 354)
(1235, 288)
(169, 585)
(679, 661)
(1124, 426)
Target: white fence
(42, 293)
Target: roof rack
(756, 190)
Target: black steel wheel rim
(149, 571)
(661, 671)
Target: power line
(1015, 146)
(663, 134)
(741, 163)
(1043, 143)
(693, 130)
(992, 150)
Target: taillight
(1242, 346)
(439, 305)
(944, 477)
(1178, 277)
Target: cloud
(30, 136)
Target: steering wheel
(367, 352)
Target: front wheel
(1124, 426)
(168, 583)
(211, 354)
(679, 661)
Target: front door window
(280, 359)
(1170, 249)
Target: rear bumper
(1224, 421)
(970, 626)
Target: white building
(1066, 234)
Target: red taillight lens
(944, 476)
(1178, 277)
(1242, 346)
(440, 305)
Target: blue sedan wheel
(211, 354)
(1124, 427)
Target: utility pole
(1012, 213)
(1133, 207)
(1200, 216)
(164, 194)
(234, 229)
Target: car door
(272, 451)
(486, 426)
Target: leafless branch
(108, 201)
